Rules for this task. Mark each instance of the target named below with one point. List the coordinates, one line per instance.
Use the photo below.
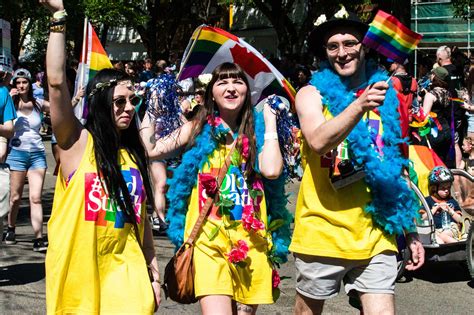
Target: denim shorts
(320, 277)
(24, 160)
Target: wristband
(270, 136)
(60, 15)
(57, 28)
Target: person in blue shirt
(442, 204)
(147, 73)
(7, 115)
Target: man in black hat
(352, 196)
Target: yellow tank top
(330, 222)
(233, 187)
(94, 263)
(251, 283)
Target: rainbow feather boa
(185, 177)
(393, 204)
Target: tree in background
(166, 25)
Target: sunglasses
(121, 102)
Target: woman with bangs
(100, 242)
(233, 272)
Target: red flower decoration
(209, 183)
(249, 221)
(214, 121)
(239, 252)
(257, 185)
(275, 279)
(245, 147)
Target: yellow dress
(330, 222)
(94, 263)
(249, 282)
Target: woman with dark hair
(437, 100)
(27, 157)
(234, 249)
(100, 242)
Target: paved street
(436, 289)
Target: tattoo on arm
(244, 308)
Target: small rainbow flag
(211, 46)
(93, 59)
(390, 37)
(458, 101)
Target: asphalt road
(438, 288)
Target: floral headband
(341, 14)
(112, 82)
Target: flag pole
(83, 53)
(190, 48)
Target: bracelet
(57, 22)
(157, 281)
(270, 136)
(60, 15)
(57, 28)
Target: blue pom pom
(163, 104)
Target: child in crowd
(467, 163)
(441, 203)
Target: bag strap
(210, 200)
(207, 205)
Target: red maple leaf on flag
(249, 62)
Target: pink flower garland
(275, 279)
(239, 252)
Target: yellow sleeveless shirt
(94, 263)
(330, 222)
(214, 274)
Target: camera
(345, 173)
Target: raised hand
(53, 5)
(373, 96)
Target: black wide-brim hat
(316, 37)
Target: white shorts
(320, 278)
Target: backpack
(406, 82)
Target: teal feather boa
(393, 204)
(185, 177)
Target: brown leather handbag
(179, 272)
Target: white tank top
(27, 127)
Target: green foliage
(116, 12)
(276, 224)
(214, 233)
(461, 8)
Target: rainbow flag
(458, 101)
(93, 59)
(211, 46)
(423, 160)
(391, 38)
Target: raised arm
(270, 159)
(323, 136)
(428, 102)
(166, 147)
(65, 125)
